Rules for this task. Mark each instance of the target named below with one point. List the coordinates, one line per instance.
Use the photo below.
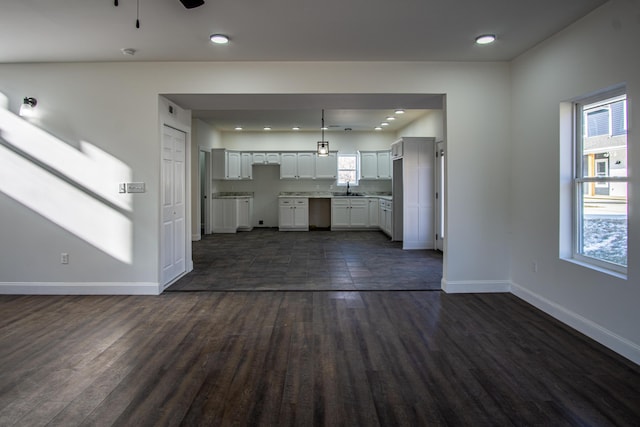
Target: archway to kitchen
(266, 258)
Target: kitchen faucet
(348, 190)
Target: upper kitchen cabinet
(327, 166)
(230, 164)
(297, 165)
(375, 164)
(266, 158)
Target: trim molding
(609, 339)
(475, 286)
(79, 288)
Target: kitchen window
(600, 214)
(347, 169)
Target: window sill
(597, 268)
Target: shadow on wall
(76, 189)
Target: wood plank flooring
(303, 359)
(266, 259)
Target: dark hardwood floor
(303, 358)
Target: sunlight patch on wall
(89, 166)
(74, 189)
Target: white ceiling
(282, 30)
(356, 112)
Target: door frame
(207, 193)
(175, 117)
(440, 191)
(164, 283)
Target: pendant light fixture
(323, 146)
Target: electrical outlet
(261, 222)
(64, 258)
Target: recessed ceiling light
(399, 112)
(219, 39)
(384, 124)
(377, 128)
(267, 128)
(296, 128)
(390, 118)
(238, 128)
(324, 128)
(486, 39)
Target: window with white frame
(600, 182)
(347, 169)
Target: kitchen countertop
(330, 195)
(233, 195)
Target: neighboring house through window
(600, 224)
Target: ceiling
(344, 112)
(283, 30)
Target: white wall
(115, 107)
(595, 53)
(431, 124)
(204, 137)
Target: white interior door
(440, 195)
(173, 204)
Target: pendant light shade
(323, 146)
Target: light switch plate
(122, 187)
(135, 187)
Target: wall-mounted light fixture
(28, 104)
(323, 146)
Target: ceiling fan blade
(190, 4)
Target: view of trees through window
(347, 169)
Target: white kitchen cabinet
(297, 165)
(246, 166)
(266, 158)
(293, 214)
(375, 164)
(327, 166)
(234, 165)
(368, 165)
(373, 212)
(288, 165)
(384, 164)
(229, 165)
(385, 215)
(340, 213)
(349, 213)
(306, 165)
(231, 214)
(397, 149)
(414, 193)
(224, 215)
(244, 213)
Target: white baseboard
(196, 237)
(475, 286)
(609, 339)
(79, 288)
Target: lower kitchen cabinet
(293, 214)
(244, 214)
(385, 215)
(349, 213)
(374, 209)
(232, 214)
